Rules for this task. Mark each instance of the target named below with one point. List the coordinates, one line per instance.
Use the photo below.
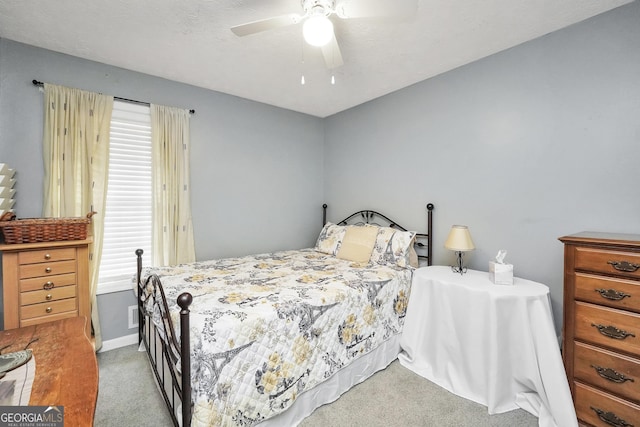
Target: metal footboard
(164, 351)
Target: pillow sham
(357, 244)
(394, 246)
(414, 261)
(330, 238)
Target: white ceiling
(190, 41)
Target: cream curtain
(76, 165)
(172, 228)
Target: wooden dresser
(601, 348)
(43, 282)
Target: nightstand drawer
(50, 282)
(609, 291)
(43, 296)
(594, 407)
(33, 257)
(48, 308)
(616, 329)
(47, 269)
(609, 262)
(610, 371)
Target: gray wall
(256, 170)
(525, 146)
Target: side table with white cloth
(492, 344)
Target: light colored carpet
(127, 396)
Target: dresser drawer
(609, 291)
(610, 371)
(47, 269)
(48, 318)
(609, 262)
(48, 308)
(49, 282)
(601, 409)
(43, 296)
(54, 254)
(616, 329)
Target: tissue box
(501, 274)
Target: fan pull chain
(302, 81)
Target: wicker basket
(32, 230)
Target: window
(128, 213)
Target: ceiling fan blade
(348, 9)
(331, 53)
(266, 24)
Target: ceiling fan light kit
(317, 30)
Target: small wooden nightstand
(47, 281)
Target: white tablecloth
(493, 344)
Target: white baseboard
(119, 342)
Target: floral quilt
(265, 328)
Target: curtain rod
(133, 101)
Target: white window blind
(128, 214)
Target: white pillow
(394, 246)
(330, 238)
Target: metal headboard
(375, 218)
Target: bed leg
(430, 231)
(139, 253)
(184, 301)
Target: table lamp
(459, 240)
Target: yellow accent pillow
(357, 243)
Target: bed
(263, 340)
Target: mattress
(266, 329)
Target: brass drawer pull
(613, 332)
(48, 285)
(611, 418)
(625, 266)
(612, 294)
(611, 375)
(47, 270)
(48, 297)
(49, 310)
(47, 256)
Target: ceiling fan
(317, 27)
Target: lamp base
(459, 268)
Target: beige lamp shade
(459, 239)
